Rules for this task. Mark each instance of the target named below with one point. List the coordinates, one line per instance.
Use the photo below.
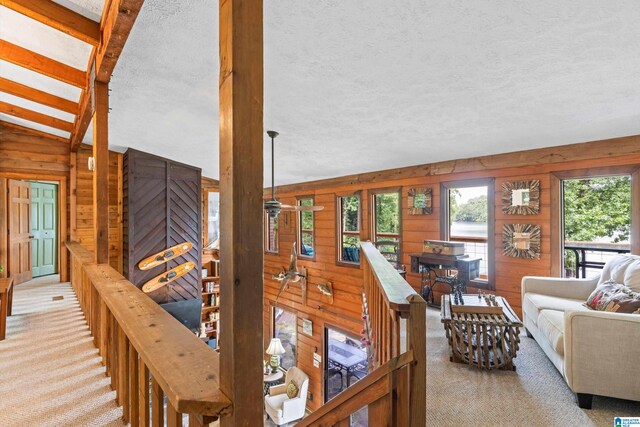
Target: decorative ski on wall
(168, 277)
(164, 256)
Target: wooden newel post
(241, 190)
(417, 335)
(101, 173)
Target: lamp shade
(275, 347)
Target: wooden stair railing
(376, 390)
(395, 388)
(140, 342)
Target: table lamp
(275, 349)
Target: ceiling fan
(273, 206)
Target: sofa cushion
(623, 269)
(614, 297)
(532, 304)
(275, 403)
(551, 325)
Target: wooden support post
(101, 173)
(143, 393)
(73, 197)
(157, 404)
(241, 192)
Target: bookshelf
(211, 305)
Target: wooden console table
(486, 341)
(6, 301)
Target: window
(284, 327)
(306, 225)
(213, 218)
(349, 229)
(467, 216)
(386, 212)
(596, 222)
(270, 234)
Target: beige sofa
(597, 352)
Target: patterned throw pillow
(614, 297)
(292, 390)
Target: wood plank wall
(347, 282)
(84, 204)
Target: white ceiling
(355, 87)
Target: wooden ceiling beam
(38, 96)
(84, 117)
(34, 116)
(41, 64)
(59, 17)
(118, 21)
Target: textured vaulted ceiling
(358, 86)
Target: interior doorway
(19, 211)
(44, 233)
(32, 218)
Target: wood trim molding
(556, 226)
(338, 225)
(34, 116)
(41, 64)
(35, 95)
(557, 231)
(629, 145)
(59, 17)
(299, 229)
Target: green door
(44, 222)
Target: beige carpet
(50, 372)
(534, 395)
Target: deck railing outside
(395, 388)
(586, 259)
(147, 353)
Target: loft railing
(395, 388)
(147, 353)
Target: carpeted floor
(50, 372)
(51, 375)
(534, 395)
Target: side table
(271, 380)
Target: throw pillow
(614, 297)
(292, 390)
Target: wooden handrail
(395, 289)
(366, 391)
(127, 324)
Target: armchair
(280, 408)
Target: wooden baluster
(143, 394)
(95, 315)
(134, 407)
(104, 331)
(198, 420)
(113, 344)
(157, 404)
(174, 418)
(123, 373)
(344, 423)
